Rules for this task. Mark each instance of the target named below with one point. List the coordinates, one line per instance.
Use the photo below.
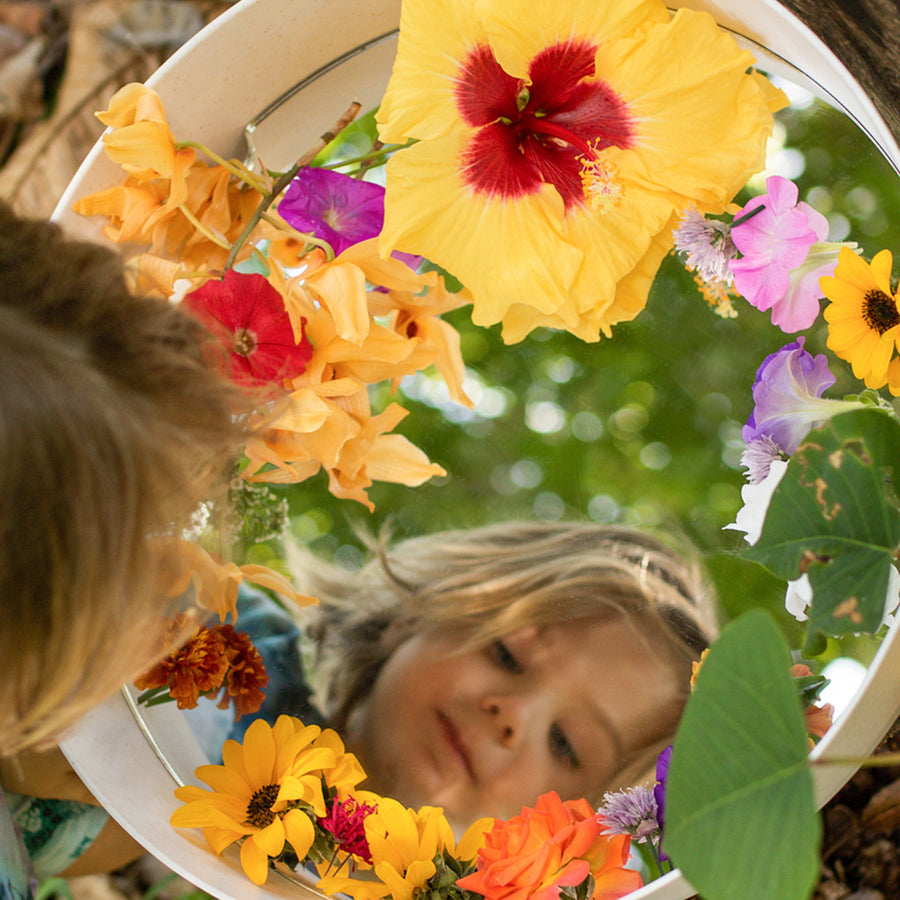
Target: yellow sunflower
(257, 792)
(863, 318)
(557, 141)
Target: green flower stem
(288, 176)
(309, 238)
(241, 172)
(882, 760)
(367, 160)
(219, 242)
(151, 695)
(654, 863)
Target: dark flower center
(259, 809)
(542, 130)
(879, 311)
(244, 342)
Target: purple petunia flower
(334, 207)
(787, 396)
(659, 791)
(783, 255)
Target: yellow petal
(271, 838)
(434, 38)
(254, 862)
(341, 288)
(299, 831)
(394, 459)
(527, 255)
(520, 29)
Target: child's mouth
(451, 735)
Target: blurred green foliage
(643, 428)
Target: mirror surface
(643, 429)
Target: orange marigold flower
(196, 668)
(246, 676)
(557, 844)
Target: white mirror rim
(211, 87)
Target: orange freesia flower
(142, 143)
(554, 845)
(216, 584)
(417, 318)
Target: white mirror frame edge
(210, 98)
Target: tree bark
(865, 36)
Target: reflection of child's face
(486, 732)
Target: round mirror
(644, 429)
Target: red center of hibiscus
(540, 130)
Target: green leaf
(834, 516)
(741, 820)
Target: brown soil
(861, 846)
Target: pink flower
(783, 256)
(346, 823)
(248, 314)
(334, 207)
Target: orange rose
(555, 845)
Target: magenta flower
(782, 255)
(336, 208)
(346, 823)
(249, 317)
(788, 399)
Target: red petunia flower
(249, 316)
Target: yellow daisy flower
(258, 790)
(556, 143)
(863, 318)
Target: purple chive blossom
(632, 811)
(787, 396)
(336, 208)
(706, 246)
(783, 257)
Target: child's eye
(561, 747)
(504, 657)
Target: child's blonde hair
(113, 426)
(490, 581)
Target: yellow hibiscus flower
(863, 318)
(253, 789)
(556, 144)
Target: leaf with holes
(834, 516)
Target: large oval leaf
(741, 820)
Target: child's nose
(507, 716)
